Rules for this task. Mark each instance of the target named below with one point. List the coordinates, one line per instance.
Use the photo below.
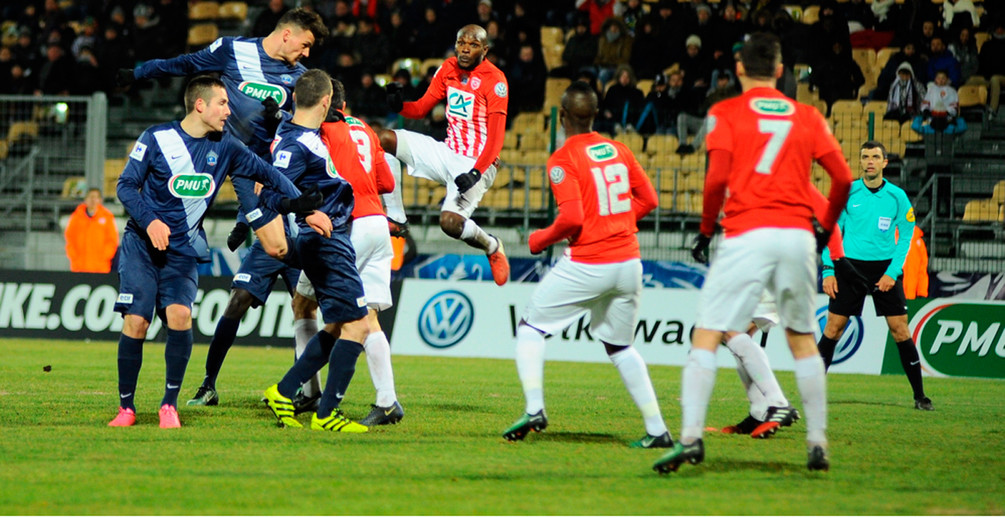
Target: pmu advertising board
(478, 320)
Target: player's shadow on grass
(578, 437)
(868, 403)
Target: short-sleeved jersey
(869, 222)
(249, 75)
(773, 141)
(299, 153)
(359, 159)
(174, 177)
(471, 96)
(602, 174)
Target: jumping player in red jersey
(761, 145)
(476, 93)
(358, 158)
(601, 191)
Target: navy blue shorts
(330, 264)
(258, 274)
(152, 280)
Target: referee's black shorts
(850, 298)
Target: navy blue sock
(223, 338)
(130, 360)
(176, 354)
(341, 368)
(315, 356)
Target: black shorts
(850, 299)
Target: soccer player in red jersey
(357, 157)
(601, 191)
(476, 93)
(761, 145)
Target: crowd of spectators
(74, 47)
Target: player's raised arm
(210, 59)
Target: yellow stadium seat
(998, 194)
(884, 55)
(634, 142)
(973, 95)
(981, 210)
(199, 11)
(202, 34)
(233, 11)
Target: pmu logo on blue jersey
(446, 319)
(850, 341)
(286, 79)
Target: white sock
(812, 383)
(530, 366)
(473, 235)
(378, 360)
(758, 405)
(393, 203)
(635, 376)
(697, 382)
(755, 362)
(303, 330)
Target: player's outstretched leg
(499, 263)
(693, 453)
(527, 422)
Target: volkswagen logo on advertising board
(446, 319)
(850, 341)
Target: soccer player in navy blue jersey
(299, 152)
(172, 176)
(256, 72)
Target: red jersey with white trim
(359, 159)
(773, 141)
(606, 177)
(471, 96)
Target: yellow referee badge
(910, 215)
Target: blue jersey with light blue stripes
(868, 224)
(174, 177)
(249, 75)
(299, 153)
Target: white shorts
(371, 240)
(609, 292)
(766, 312)
(779, 260)
(429, 158)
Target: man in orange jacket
(91, 236)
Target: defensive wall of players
(957, 337)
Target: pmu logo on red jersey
(601, 152)
(766, 106)
(460, 103)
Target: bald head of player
(760, 62)
(471, 47)
(579, 108)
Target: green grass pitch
(447, 456)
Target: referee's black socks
(826, 347)
(911, 363)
